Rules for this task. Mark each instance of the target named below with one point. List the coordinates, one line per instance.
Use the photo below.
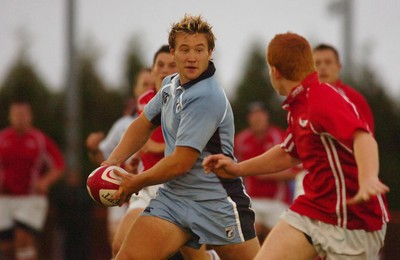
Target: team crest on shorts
(230, 232)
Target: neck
(288, 85)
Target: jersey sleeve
(200, 118)
(152, 110)
(288, 143)
(333, 113)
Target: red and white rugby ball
(102, 184)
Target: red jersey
(247, 146)
(321, 124)
(150, 159)
(22, 157)
(359, 101)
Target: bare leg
(125, 224)
(152, 238)
(242, 251)
(286, 242)
(25, 246)
(262, 232)
(194, 254)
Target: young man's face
(145, 82)
(20, 116)
(164, 65)
(191, 55)
(327, 65)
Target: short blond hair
(192, 24)
(291, 54)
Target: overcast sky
(237, 23)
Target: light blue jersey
(213, 210)
(198, 115)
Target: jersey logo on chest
(303, 122)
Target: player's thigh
(286, 242)
(152, 238)
(240, 251)
(123, 228)
(189, 253)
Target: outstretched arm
(134, 138)
(367, 159)
(272, 161)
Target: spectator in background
(271, 194)
(101, 146)
(24, 152)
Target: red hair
(291, 54)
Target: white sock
(213, 255)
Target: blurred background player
(328, 66)
(24, 152)
(271, 194)
(100, 147)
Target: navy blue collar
(209, 72)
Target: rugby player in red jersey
(343, 213)
(30, 163)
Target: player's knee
(25, 253)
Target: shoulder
(37, 133)
(323, 94)
(353, 94)
(209, 90)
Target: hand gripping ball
(102, 184)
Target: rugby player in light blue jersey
(193, 208)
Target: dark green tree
(101, 106)
(133, 62)
(22, 83)
(256, 86)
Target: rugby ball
(102, 184)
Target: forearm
(366, 155)
(285, 175)
(272, 161)
(170, 167)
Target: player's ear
(276, 72)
